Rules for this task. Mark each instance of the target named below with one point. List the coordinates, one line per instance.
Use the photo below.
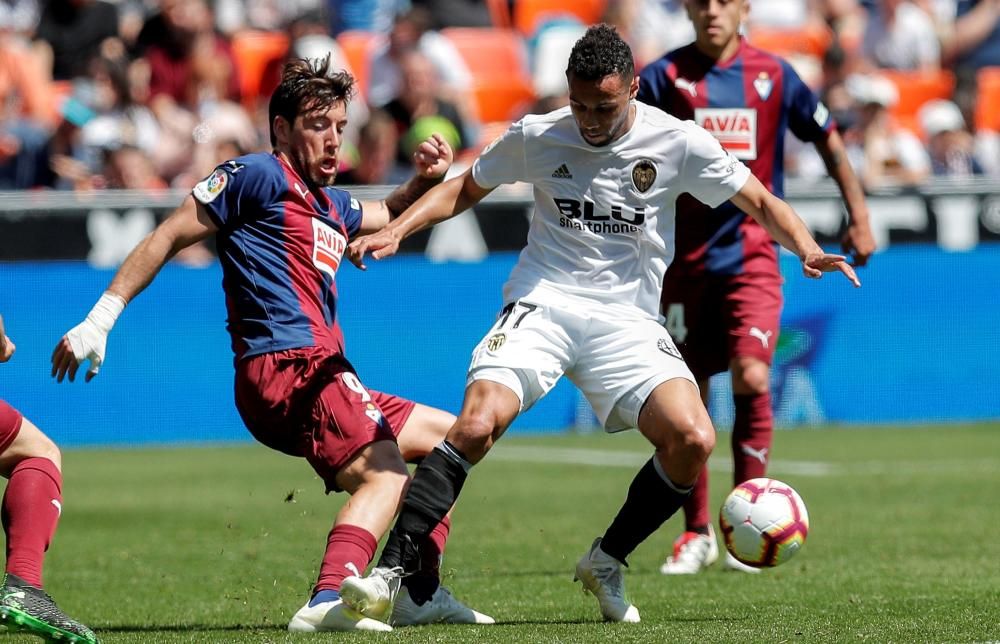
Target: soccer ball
(764, 522)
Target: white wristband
(106, 311)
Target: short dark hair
(307, 85)
(600, 52)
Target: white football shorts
(616, 363)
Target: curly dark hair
(600, 52)
(307, 85)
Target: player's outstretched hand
(858, 241)
(433, 157)
(7, 347)
(85, 341)
(381, 244)
(815, 264)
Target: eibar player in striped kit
(281, 229)
(722, 293)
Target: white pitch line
(633, 460)
(580, 456)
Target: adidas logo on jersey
(562, 172)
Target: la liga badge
(207, 190)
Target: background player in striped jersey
(583, 300)
(32, 504)
(722, 293)
(281, 231)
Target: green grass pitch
(221, 544)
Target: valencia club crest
(643, 175)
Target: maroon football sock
(752, 430)
(433, 548)
(696, 515)
(30, 512)
(349, 550)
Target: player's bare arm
(6, 344)
(188, 224)
(778, 218)
(857, 240)
(431, 160)
(442, 202)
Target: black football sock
(652, 499)
(421, 587)
(436, 484)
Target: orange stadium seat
(498, 62)
(490, 52)
(254, 52)
(529, 14)
(502, 99)
(915, 89)
(359, 47)
(988, 99)
(809, 41)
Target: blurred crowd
(147, 94)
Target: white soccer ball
(764, 522)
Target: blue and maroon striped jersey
(747, 102)
(280, 247)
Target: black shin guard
(436, 484)
(651, 500)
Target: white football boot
(601, 575)
(373, 596)
(693, 553)
(442, 608)
(732, 563)
(332, 616)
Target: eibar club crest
(496, 341)
(763, 84)
(643, 175)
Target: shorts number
(675, 322)
(355, 385)
(511, 309)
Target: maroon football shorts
(308, 402)
(714, 319)
(10, 425)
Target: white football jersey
(603, 222)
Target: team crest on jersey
(328, 247)
(763, 84)
(496, 341)
(643, 175)
(734, 127)
(207, 190)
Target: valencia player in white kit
(583, 301)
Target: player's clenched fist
(87, 340)
(433, 157)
